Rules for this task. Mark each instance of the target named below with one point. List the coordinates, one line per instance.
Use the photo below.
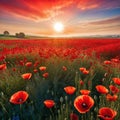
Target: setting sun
(58, 27)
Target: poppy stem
(61, 109)
(84, 117)
(21, 111)
(52, 113)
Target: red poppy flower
(19, 97)
(14, 69)
(3, 67)
(114, 89)
(64, 68)
(111, 98)
(73, 116)
(81, 82)
(28, 64)
(102, 89)
(36, 64)
(106, 113)
(85, 92)
(85, 72)
(21, 62)
(70, 90)
(42, 68)
(116, 81)
(107, 62)
(83, 103)
(2, 58)
(82, 69)
(45, 75)
(89, 82)
(35, 70)
(49, 103)
(26, 76)
(115, 60)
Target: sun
(58, 27)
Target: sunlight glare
(58, 27)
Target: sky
(79, 17)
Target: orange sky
(79, 17)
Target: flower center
(84, 105)
(107, 116)
(20, 100)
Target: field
(60, 79)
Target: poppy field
(60, 79)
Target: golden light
(58, 27)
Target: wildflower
(81, 82)
(2, 58)
(107, 62)
(114, 89)
(102, 89)
(111, 98)
(106, 113)
(70, 90)
(49, 103)
(36, 64)
(14, 69)
(73, 116)
(35, 70)
(3, 67)
(83, 103)
(19, 97)
(21, 62)
(64, 68)
(85, 72)
(16, 117)
(42, 68)
(26, 76)
(85, 92)
(82, 69)
(116, 81)
(28, 64)
(45, 75)
(115, 60)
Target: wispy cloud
(42, 10)
(109, 21)
(103, 26)
(34, 9)
(98, 4)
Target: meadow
(60, 79)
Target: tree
(16, 34)
(20, 35)
(6, 33)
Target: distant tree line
(18, 35)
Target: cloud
(108, 21)
(43, 10)
(34, 9)
(87, 4)
(97, 4)
(103, 26)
